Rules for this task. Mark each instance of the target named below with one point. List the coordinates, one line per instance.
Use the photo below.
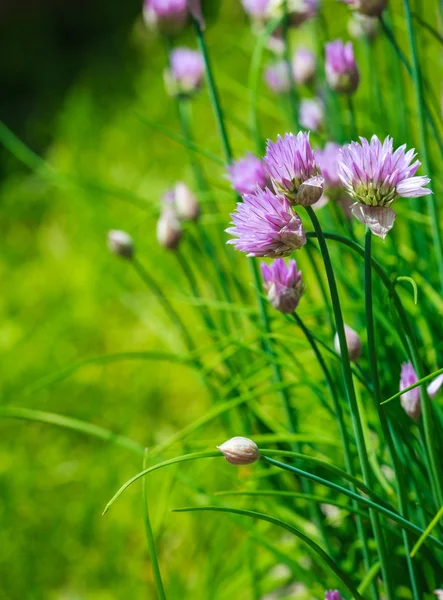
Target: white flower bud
(120, 243)
(169, 231)
(353, 343)
(185, 202)
(240, 451)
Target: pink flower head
(370, 8)
(277, 77)
(333, 595)
(257, 9)
(167, 15)
(303, 65)
(327, 160)
(247, 173)
(291, 165)
(283, 284)
(186, 73)
(410, 400)
(311, 113)
(340, 67)
(375, 175)
(265, 225)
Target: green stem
(150, 538)
(418, 90)
(350, 393)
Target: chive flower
(370, 8)
(311, 113)
(168, 16)
(303, 65)
(375, 175)
(256, 9)
(169, 230)
(247, 173)
(410, 400)
(120, 243)
(185, 75)
(361, 26)
(181, 199)
(353, 342)
(298, 11)
(340, 68)
(294, 172)
(277, 77)
(240, 451)
(283, 284)
(327, 160)
(266, 225)
(333, 595)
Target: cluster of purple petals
(172, 15)
(277, 77)
(247, 173)
(333, 595)
(265, 225)
(327, 160)
(283, 284)
(187, 68)
(340, 57)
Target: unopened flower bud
(169, 16)
(185, 75)
(361, 26)
(240, 451)
(185, 202)
(120, 243)
(353, 343)
(333, 595)
(303, 65)
(370, 8)
(311, 113)
(169, 231)
(340, 67)
(310, 191)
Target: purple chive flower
(283, 284)
(265, 225)
(303, 65)
(360, 26)
(410, 400)
(374, 175)
(353, 342)
(370, 8)
(256, 9)
(291, 165)
(311, 113)
(247, 173)
(167, 15)
(186, 71)
(333, 595)
(277, 77)
(327, 160)
(340, 67)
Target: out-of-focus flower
(290, 162)
(247, 173)
(266, 225)
(311, 113)
(276, 42)
(375, 175)
(340, 67)
(353, 342)
(298, 11)
(277, 77)
(169, 231)
(327, 160)
(439, 594)
(360, 26)
(186, 70)
(283, 284)
(240, 451)
(370, 8)
(303, 65)
(184, 201)
(410, 400)
(256, 9)
(168, 15)
(120, 243)
(195, 9)
(333, 595)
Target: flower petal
(379, 219)
(435, 385)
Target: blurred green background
(75, 79)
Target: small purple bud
(169, 16)
(185, 75)
(311, 113)
(410, 400)
(340, 67)
(120, 243)
(247, 173)
(303, 66)
(353, 343)
(333, 595)
(282, 284)
(256, 9)
(169, 231)
(240, 451)
(277, 77)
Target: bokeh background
(76, 80)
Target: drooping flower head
(340, 67)
(410, 400)
(266, 225)
(277, 77)
(168, 15)
(186, 71)
(247, 173)
(375, 175)
(333, 595)
(120, 243)
(294, 172)
(311, 113)
(370, 8)
(361, 26)
(256, 9)
(303, 65)
(283, 284)
(299, 11)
